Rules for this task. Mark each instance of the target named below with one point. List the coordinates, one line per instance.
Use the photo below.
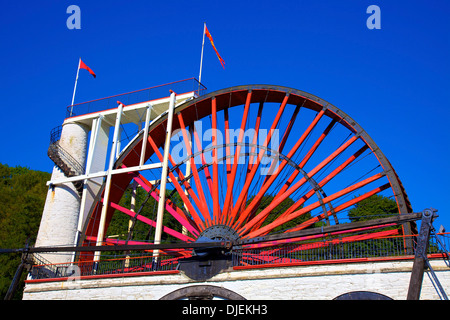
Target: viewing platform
(135, 103)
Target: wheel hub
(219, 232)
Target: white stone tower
(60, 216)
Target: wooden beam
(129, 247)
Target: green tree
(22, 198)
(374, 207)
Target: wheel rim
(309, 173)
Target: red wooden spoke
(280, 151)
(186, 184)
(150, 222)
(270, 256)
(202, 157)
(176, 212)
(317, 144)
(181, 193)
(215, 193)
(306, 209)
(227, 203)
(309, 238)
(227, 156)
(286, 134)
(206, 169)
(227, 141)
(194, 169)
(341, 207)
(255, 137)
(324, 181)
(265, 257)
(252, 151)
(241, 197)
(248, 182)
(278, 200)
(118, 242)
(265, 187)
(305, 159)
(301, 165)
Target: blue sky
(394, 81)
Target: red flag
(214, 47)
(84, 66)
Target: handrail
(55, 134)
(442, 247)
(58, 153)
(144, 263)
(56, 150)
(330, 250)
(137, 96)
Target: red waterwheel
(251, 161)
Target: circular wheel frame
(253, 160)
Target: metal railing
(331, 250)
(147, 94)
(63, 159)
(55, 134)
(441, 243)
(116, 266)
(299, 253)
(320, 251)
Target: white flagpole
(75, 88)
(201, 59)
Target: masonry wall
(320, 282)
(60, 215)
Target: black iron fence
(55, 134)
(320, 251)
(118, 266)
(314, 252)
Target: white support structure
(87, 138)
(187, 174)
(95, 128)
(131, 114)
(112, 159)
(103, 173)
(118, 143)
(144, 139)
(162, 190)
